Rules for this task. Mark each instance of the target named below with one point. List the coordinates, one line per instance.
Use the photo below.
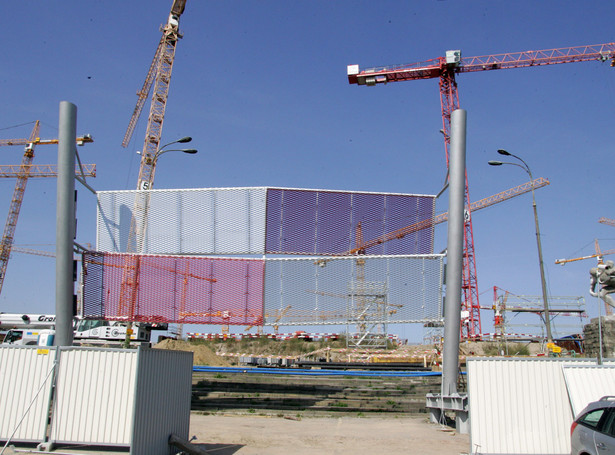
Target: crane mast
(158, 77)
(445, 68)
(15, 207)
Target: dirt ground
(259, 435)
(262, 435)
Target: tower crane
(599, 255)
(362, 246)
(607, 221)
(22, 172)
(445, 69)
(158, 77)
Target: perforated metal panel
(270, 291)
(341, 290)
(198, 221)
(249, 221)
(181, 289)
(335, 222)
(403, 284)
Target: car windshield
(88, 324)
(13, 336)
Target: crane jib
(434, 68)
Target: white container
(46, 337)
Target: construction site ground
(264, 414)
(272, 435)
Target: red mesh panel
(174, 289)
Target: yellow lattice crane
(599, 255)
(23, 172)
(158, 77)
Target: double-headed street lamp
(146, 175)
(545, 301)
(138, 222)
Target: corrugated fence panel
(95, 396)
(601, 378)
(164, 389)
(519, 406)
(25, 382)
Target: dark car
(593, 431)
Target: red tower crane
(607, 221)
(445, 68)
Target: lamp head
(183, 140)
(495, 163)
(190, 151)
(503, 152)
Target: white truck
(30, 329)
(25, 329)
(102, 331)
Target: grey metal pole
(454, 261)
(543, 282)
(65, 224)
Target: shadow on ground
(220, 449)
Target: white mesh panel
(321, 291)
(216, 221)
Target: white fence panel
(95, 396)
(519, 406)
(26, 377)
(601, 378)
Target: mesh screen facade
(248, 221)
(326, 222)
(355, 290)
(271, 291)
(181, 289)
(200, 221)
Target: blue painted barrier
(321, 372)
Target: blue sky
(261, 86)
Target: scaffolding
(521, 317)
